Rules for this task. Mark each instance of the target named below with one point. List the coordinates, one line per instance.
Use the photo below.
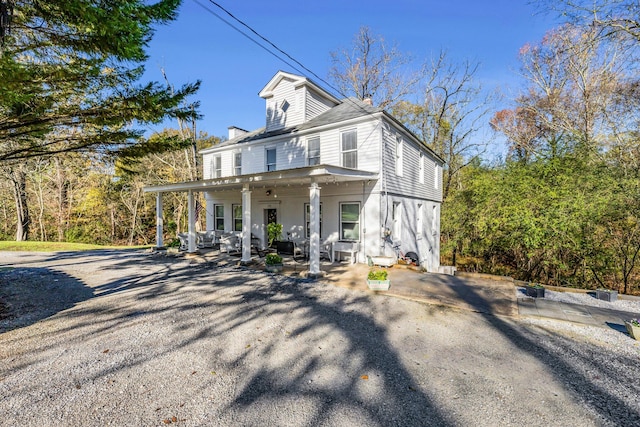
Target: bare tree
(612, 18)
(371, 69)
(572, 78)
(451, 110)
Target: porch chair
(206, 239)
(184, 241)
(229, 242)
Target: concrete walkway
(476, 294)
(576, 313)
(479, 293)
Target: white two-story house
(337, 173)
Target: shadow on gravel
(365, 351)
(28, 295)
(588, 372)
(358, 354)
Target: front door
(270, 217)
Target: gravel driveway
(140, 339)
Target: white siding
(413, 235)
(315, 104)
(276, 117)
(409, 184)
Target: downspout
(382, 188)
(364, 221)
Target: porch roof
(320, 174)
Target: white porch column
(246, 225)
(209, 213)
(192, 222)
(159, 224)
(314, 230)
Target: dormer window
(285, 106)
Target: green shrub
(274, 232)
(377, 275)
(272, 259)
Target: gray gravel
(141, 339)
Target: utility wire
(276, 47)
(266, 40)
(214, 13)
(273, 45)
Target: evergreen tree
(69, 76)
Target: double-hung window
(313, 151)
(237, 217)
(307, 220)
(396, 216)
(421, 169)
(399, 155)
(271, 159)
(218, 216)
(436, 175)
(434, 220)
(216, 167)
(349, 149)
(237, 163)
(350, 221)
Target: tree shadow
(362, 374)
(331, 355)
(588, 372)
(358, 371)
(28, 295)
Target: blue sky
(198, 46)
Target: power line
(266, 40)
(211, 11)
(276, 54)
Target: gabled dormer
(292, 100)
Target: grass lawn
(57, 246)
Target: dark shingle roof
(349, 108)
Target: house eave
(320, 174)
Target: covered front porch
(267, 192)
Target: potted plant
(274, 232)
(606, 295)
(535, 290)
(377, 280)
(633, 327)
(273, 263)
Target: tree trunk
(62, 198)
(19, 181)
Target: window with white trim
(436, 175)
(237, 217)
(421, 169)
(216, 167)
(396, 216)
(313, 151)
(271, 159)
(350, 221)
(419, 230)
(237, 163)
(349, 149)
(399, 155)
(218, 217)
(434, 220)
(307, 220)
